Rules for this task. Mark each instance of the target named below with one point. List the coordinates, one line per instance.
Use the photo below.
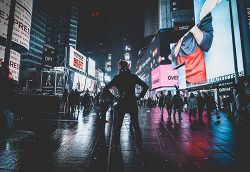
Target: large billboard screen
(207, 49)
(90, 85)
(77, 60)
(164, 76)
(91, 67)
(76, 81)
(22, 21)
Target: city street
(61, 142)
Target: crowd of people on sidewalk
(76, 100)
(194, 104)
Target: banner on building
(77, 60)
(22, 21)
(76, 81)
(91, 67)
(203, 55)
(14, 64)
(90, 85)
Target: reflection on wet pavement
(80, 142)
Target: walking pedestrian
(65, 98)
(161, 103)
(177, 104)
(200, 104)
(168, 103)
(192, 105)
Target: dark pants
(200, 112)
(103, 110)
(162, 110)
(178, 109)
(132, 109)
(192, 112)
(169, 110)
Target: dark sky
(118, 22)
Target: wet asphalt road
(80, 142)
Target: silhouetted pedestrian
(200, 104)
(168, 103)
(161, 103)
(192, 105)
(125, 82)
(177, 104)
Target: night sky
(106, 26)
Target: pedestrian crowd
(194, 104)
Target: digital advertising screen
(206, 49)
(90, 85)
(77, 60)
(91, 67)
(164, 76)
(76, 81)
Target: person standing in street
(210, 103)
(168, 103)
(177, 104)
(200, 104)
(192, 105)
(65, 98)
(161, 103)
(126, 82)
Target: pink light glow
(164, 76)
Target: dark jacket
(125, 82)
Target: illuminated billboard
(207, 49)
(91, 67)
(164, 76)
(76, 81)
(90, 85)
(22, 21)
(77, 60)
(14, 63)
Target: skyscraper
(54, 26)
(151, 19)
(33, 58)
(62, 27)
(161, 14)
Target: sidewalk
(81, 143)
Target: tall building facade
(62, 28)
(32, 59)
(161, 14)
(53, 26)
(151, 18)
